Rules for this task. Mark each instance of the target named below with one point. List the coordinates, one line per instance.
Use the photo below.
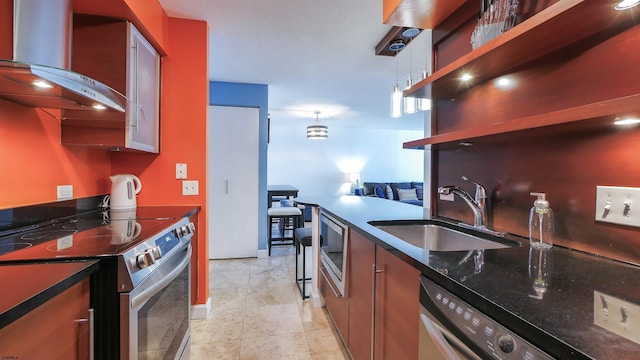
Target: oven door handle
(149, 292)
(443, 345)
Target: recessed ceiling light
(466, 77)
(627, 121)
(626, 4)
(42, 84)
(505, 83)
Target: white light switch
(616, 315)
(618, 205)
(181, 171)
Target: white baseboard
(201, 311)
(316, 299)
(263, 254)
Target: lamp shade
(317, 132)
(396, 102)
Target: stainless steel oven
(333, 250)
(141, 293)
(155, 319)
(451, 329)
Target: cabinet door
(397, 308)
(232, 162)
(57, 329)
(143, 92)
(337, 306)
(361, 276)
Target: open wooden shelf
(558, 26)
(601, 113)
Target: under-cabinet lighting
(466, 77)
(99, 107)
(626, 4)
(42, 84)
(627, 121)
(505, 83)
(465, 144)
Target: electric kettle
(124, 188)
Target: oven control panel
(141, 260)
(493, 338)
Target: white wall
(319, 167)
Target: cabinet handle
(374, 271)
(226, 186)
(91, 324)
(136, 60)
(322, 270)
(91, 333)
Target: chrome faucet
(478, 204)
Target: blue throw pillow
(379, 192)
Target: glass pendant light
(410, 102)
(317, 131)
(396, 95)
(423, 103)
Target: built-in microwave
(333, 248)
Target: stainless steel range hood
(38, 76)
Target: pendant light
(396, 95)
(317, 131)
(424, 104)
(410, 102)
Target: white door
(232, 166)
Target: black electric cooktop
(86, 235)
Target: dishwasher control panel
(496, 341)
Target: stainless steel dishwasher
(451, 329)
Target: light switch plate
(181, 171)
(618, 205)
(65, 192)
(616, 315)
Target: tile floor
(258, 313)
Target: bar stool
(288, 219)
(303, 239)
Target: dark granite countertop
(27, 286)
(559, 322)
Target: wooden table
(280, 190)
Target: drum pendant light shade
(317, 131)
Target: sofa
(407, 192)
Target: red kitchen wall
(32, 160)
(183, 131)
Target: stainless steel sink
(439, 236)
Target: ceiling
(313, 55)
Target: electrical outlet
(65, 192)
(616, 315)
(181, 171)
(189, 187)
(618, 205)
